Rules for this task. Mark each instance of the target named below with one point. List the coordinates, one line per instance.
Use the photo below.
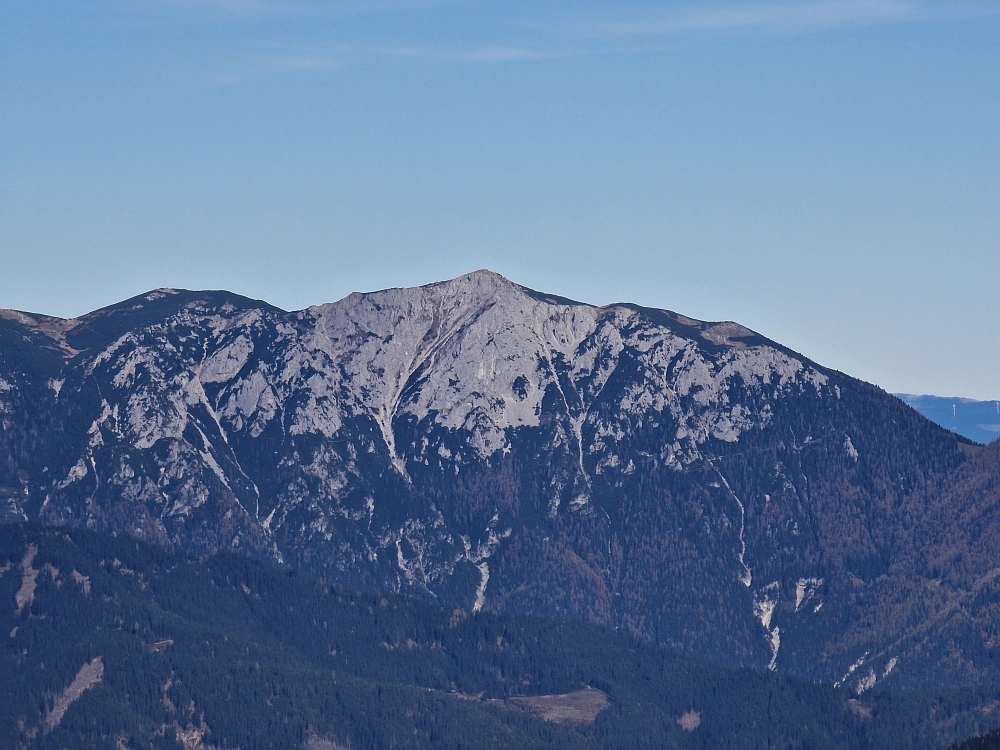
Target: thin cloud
(498, 53)
(488, 53)
(226, 78)
(273, 66)
(390, 6)
(250, 8)
(781, 17)
(305, 64)
(616, 30)
(235, 7)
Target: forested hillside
(989, 741)
(111, 643)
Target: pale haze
(825, 172)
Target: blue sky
(826, 172)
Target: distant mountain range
(493, 448)
(976, 420)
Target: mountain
(976, 420)
(493, 448)
(121, 645)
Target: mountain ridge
(495, 448)
(57, 328)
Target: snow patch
(890, 666)
(805, 589)
(690, 721)
(852, 452)
(746, 577)
(851, 670)
(76, 473)
(775, 645)
(765, 602)
(270, 517)
(867, 682)
(484, 570)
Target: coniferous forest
(112, 643)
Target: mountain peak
(485, 274)
(478, 282)
(492, 447)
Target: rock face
(487, 446)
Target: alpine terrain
(489, 447)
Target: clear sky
(826, 172)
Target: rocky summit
(494, 448)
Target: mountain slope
(490, 447)
(118, 644)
